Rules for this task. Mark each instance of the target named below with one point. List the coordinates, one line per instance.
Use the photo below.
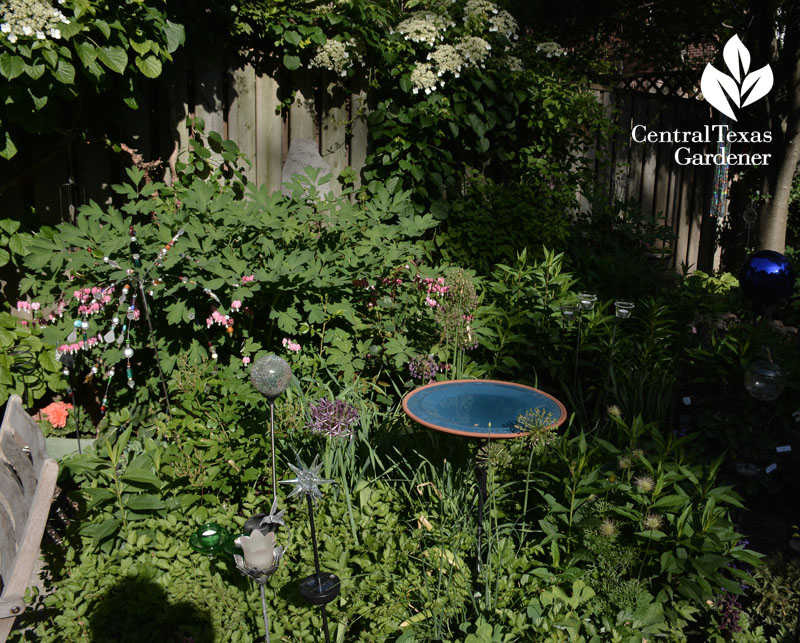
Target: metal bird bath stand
(485, 409)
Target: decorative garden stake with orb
(271, 375)
(766, 278)
(318, 588)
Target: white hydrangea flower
(446, 59)
(504, 24)
(30, 18)
(550, 49)
(479, 10)
(424, 78)
(473, 49)
(424, 27)
(334, 55)
(512, 63)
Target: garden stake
(480, 475)
(270, 375)
(260, 556)
(586, 300)
(318, 589)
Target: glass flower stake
(210, 539)
(568, 312)
(318, 588)
(623, 310)
(260, 555)
(586, 302)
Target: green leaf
(292, 37)
(141, 477)
(144, 502)
(115, 58)
(100, 532)
(65, 72)
(140, 48)
(291, 62)
(175, 34)
(35, 72)
(11, 66)
(9, 149)
(50, 57)
(150, 66)
(102, 25)
(86, 52)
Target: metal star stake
(307, 479)
(318, 589)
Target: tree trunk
(772, 229)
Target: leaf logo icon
(740, 89)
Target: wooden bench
(27, 482)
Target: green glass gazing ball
(270, 375)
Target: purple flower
(423, 368)
(730, 612)
(333, 418)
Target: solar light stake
(318, 589)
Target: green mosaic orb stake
(271, 375)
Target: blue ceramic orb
(767, 277)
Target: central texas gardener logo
(741, 88)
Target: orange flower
(57, 413)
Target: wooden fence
(243, 105)
(647, 173)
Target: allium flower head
(334, 418)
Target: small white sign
(784, 449)
(771, 468)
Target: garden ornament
(271, 375)
(767, 277)
(318, 588)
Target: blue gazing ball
(767, 277)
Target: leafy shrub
(246, 275)
(493, 223)
(85, 48)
